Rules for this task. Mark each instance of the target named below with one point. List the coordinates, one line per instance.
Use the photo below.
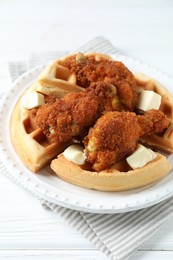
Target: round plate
(49, 187)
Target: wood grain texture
(76, 255)
(141, 29)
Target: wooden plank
(78, 255)
(26, 229)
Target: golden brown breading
(153, 121)
(76, 112)
(88, 70)
(115, 135)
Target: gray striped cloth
(118, 236)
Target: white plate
(53, 189)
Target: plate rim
(33, 187)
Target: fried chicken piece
(153, 121)
(72, 115)
(115, 135)
(89, 70)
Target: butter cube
(140, 157)
(148, 99)
(75, 153)
(32, 100)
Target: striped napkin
(118, 236)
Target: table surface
(141, 29)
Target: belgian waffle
(29, 141)
(58, 80)
(163, 141)
(118, 178)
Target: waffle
(29, 141)
(118, 178)
(163, 141)
(58, 80)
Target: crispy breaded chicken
(153, 121)
(115, 135)
(89, 70)
(73, 115)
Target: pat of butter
(140, 157)
(75, 154)
(148, 99)
(32, 100)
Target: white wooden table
(141, 29)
